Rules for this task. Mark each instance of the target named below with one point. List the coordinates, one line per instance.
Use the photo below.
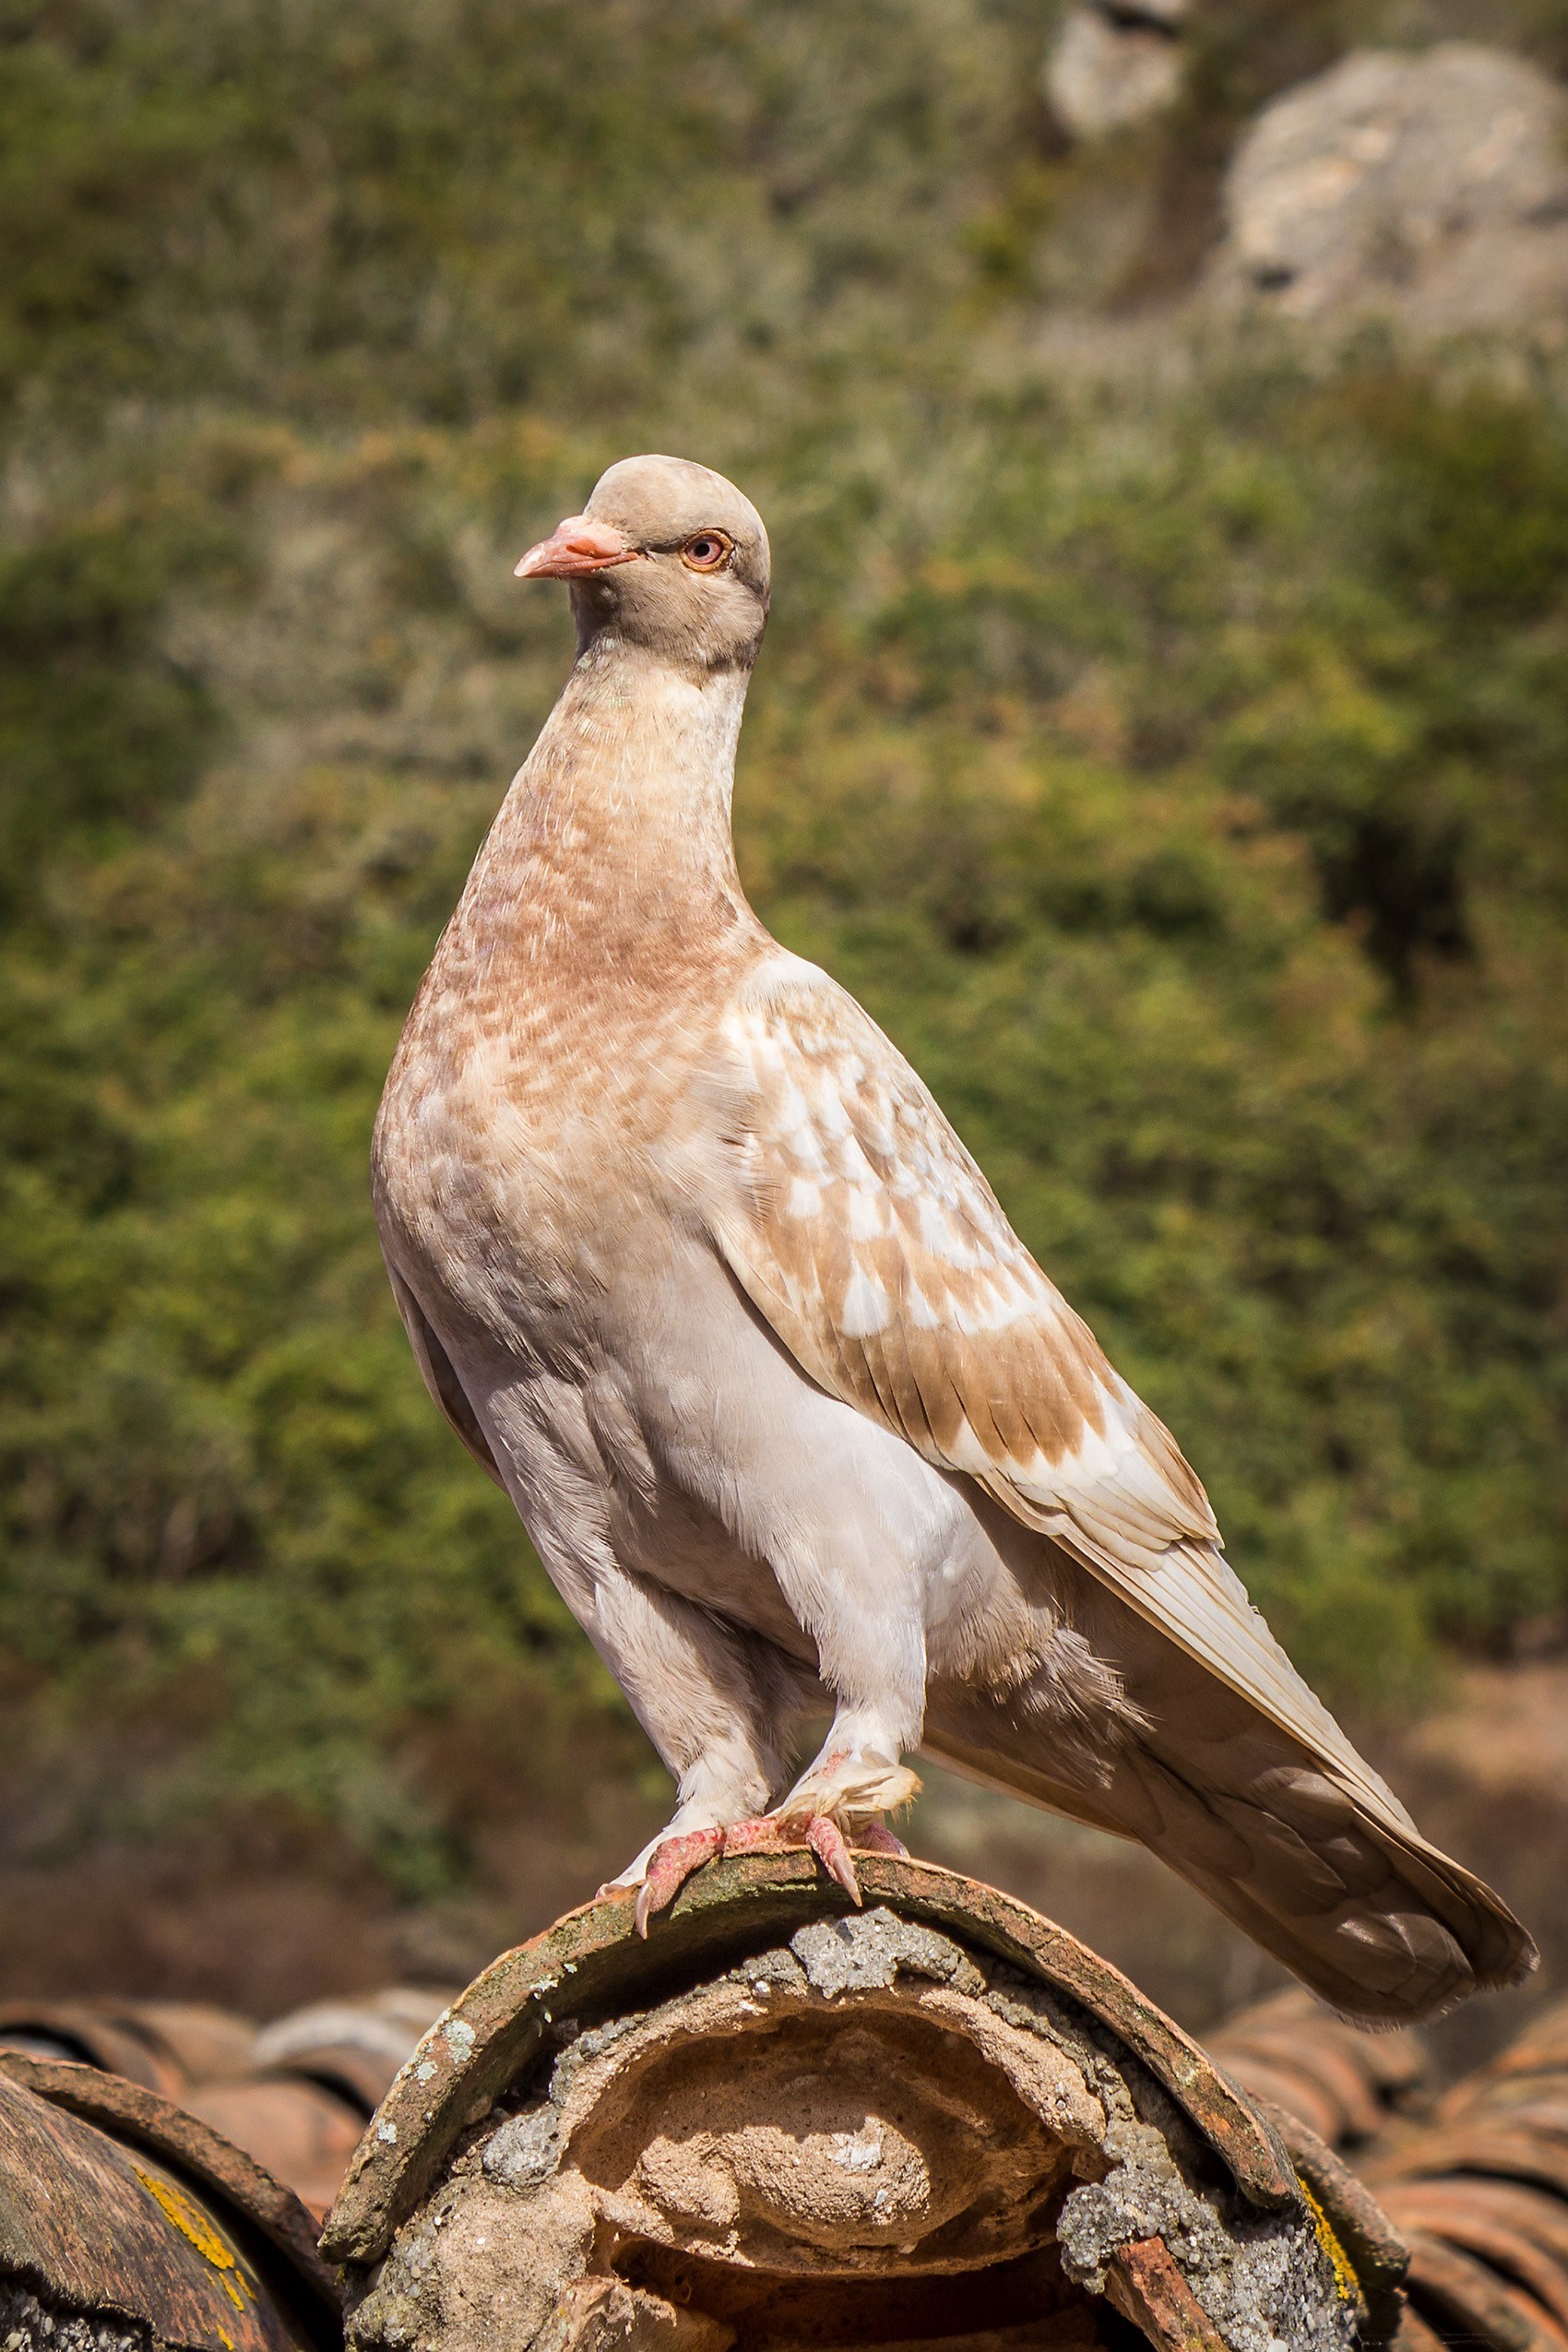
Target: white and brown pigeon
(700, 1274)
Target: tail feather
(1353, 1901)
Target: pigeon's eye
(709, 551)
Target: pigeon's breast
(516, 1159)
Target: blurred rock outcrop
(1114, 63)
(1431, 189)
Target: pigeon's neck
(615, 841)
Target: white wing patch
(866, 1307)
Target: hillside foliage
(1169, 741)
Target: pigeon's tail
(1346, 1892)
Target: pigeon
(700, 1274)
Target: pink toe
(762, 1836)
(670, 1866)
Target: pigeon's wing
(436, 1371)
(865, 1235)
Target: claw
(827, 1842)
(670, 1866)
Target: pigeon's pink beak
(574, 548)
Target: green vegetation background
(1164, 731)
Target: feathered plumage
(698, 1270)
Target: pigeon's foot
(853, 1784)
(673, 1862)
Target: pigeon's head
(668, 556)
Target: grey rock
(28, 2326)
(526, 2149)
(1108, 69)
(1266, 2282)
(1429, 188)
(867, 1952)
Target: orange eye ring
(708, 552)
